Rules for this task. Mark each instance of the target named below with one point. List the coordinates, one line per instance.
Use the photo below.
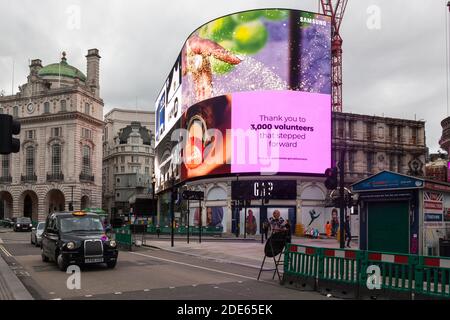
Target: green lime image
(250, 37)
(276, 14)
(220, 67)
(247, 16)
(218, 30)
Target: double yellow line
(6, 252)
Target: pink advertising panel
(281, 131)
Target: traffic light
(331, 182)
(8, 128)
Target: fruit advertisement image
(269, 49)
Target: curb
(13, 287)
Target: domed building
(60, 159)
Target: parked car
(22, 223)
(7, 223)
(77, 238)
(36, 234)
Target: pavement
(247, 252)
(11, 288)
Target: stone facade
(128, 158)
(61, 118)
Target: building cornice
(368, 118)
(61, 116)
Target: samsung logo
(313, 21)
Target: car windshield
(41, 226)
(86, 223)
(24, 220)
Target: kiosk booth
(403, 214)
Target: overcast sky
(398, 70)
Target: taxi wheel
(61, 265)
(44, 257)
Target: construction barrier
(301, 266)
(359, 274)
(123, 237)
(396, 275)
(432, 280)
(339, 272)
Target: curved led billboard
(249, 93)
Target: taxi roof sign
(79, 213)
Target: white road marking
(56, 299)
(6, 252)
(146, 290)
(199, 267)
(51, 292)
(171, 287)
(88, 295)
(118, 292)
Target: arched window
(46, 107)
(63, 105)
(86, 160)
(29, 161)
(56, 159)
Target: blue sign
(388, 180)
(433, 217)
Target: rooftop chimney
(35, 66)
(93, 70)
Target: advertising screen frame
(230, 174)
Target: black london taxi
(77, 238)
(22, 223)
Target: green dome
(63, 69)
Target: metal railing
(55, 177)
(86, 177)
(29, 178)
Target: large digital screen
(252, 93)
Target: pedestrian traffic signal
(8, 128)
(331, 181)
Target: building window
(63, 105)
(16, 111)
(147, 170)
(122, 159)
(5, 166)
(86, 160)
(341, 125)
(56, 159)
(399, 163)
(369, 129)
(351, 161)
(122, 169)
(351, 129)
(87, 108)
(86, 133)
(369, 162)
(118, 180)
(122, 149)
(56, 132)
(135, 169)
(46, 107)
(147, 160)
(29, 161)
(399, 134)
(392, 162)
(414, 135)
(116, 169)
(30, 134)
(147, 149)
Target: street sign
(193, 195)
